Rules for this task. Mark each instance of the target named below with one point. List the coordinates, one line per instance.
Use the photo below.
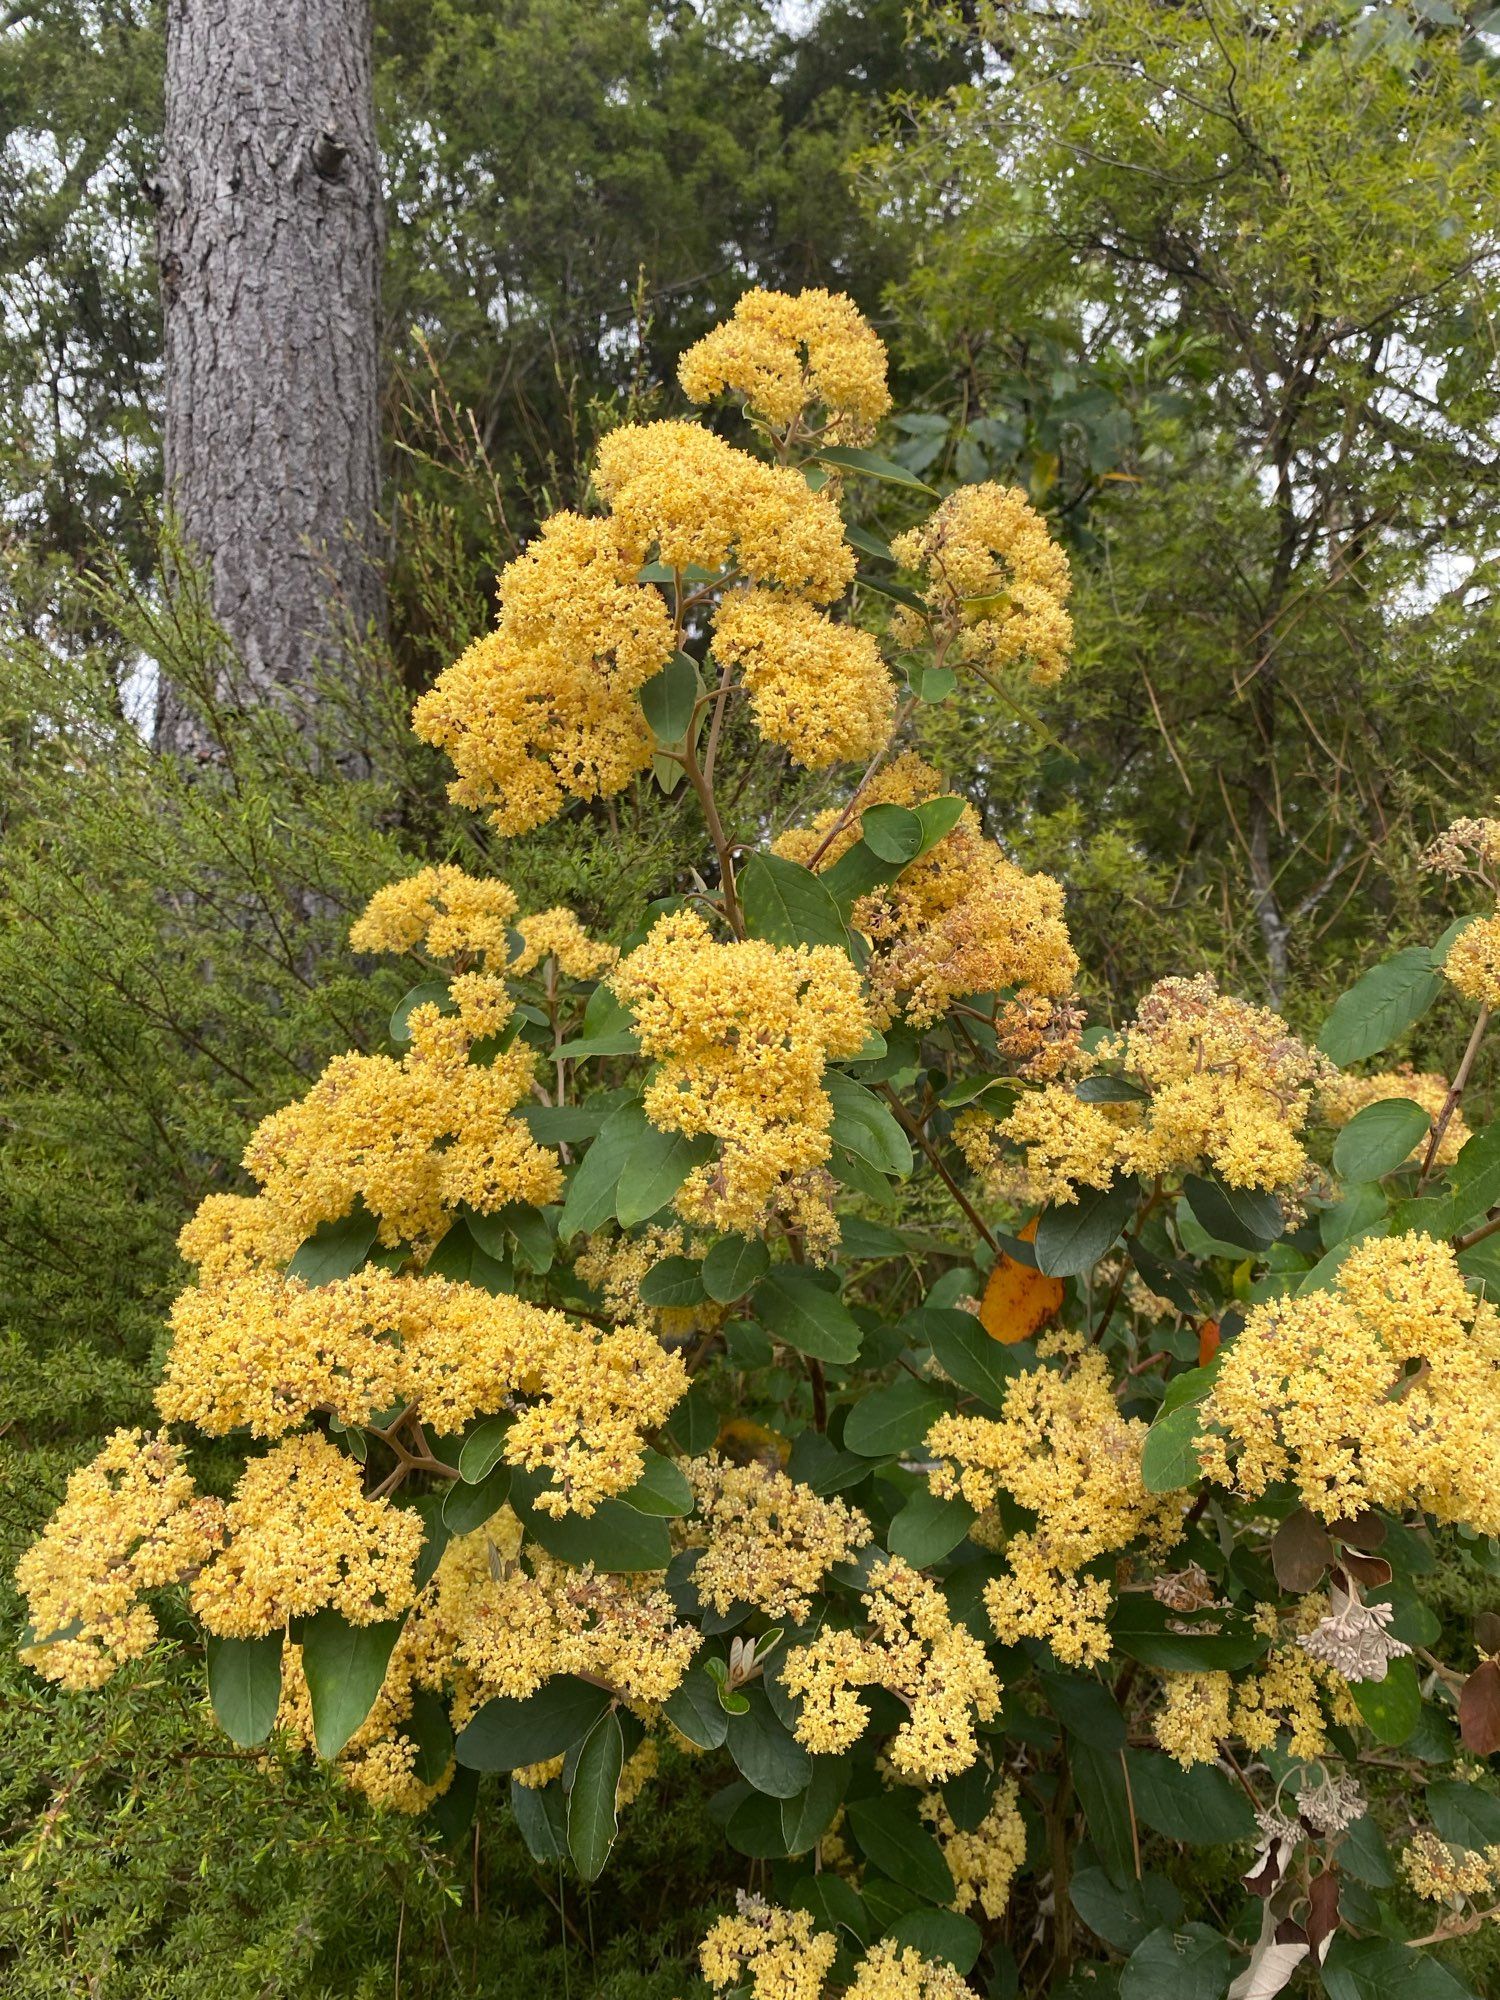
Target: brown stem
(847, 812)
(1444, 1118)
(935, 1160)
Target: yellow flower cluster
(1061, 1449)
(892, 1971)
(1439, 1873)
(986, 1860)
(523, 1617)
(544, 708)
(1229, 1091)
(380, 1758)
(912, 1647)
(743, 1033)
(558, 934)
(412, 1138)
(1374, 1393)
(448, 913)
(784, 353)
(1289, 1692)
(818, 688)
(1472, 967)
(1468, 847)
(677, 490)
(614, 1265)
(302, 1536)
(1342, 1096)
(777, 1953)
(132, 1521)
(770, 1540)
(960, 920)
(997, 584)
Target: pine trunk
(270, 243)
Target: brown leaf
(1374, 1572)
(1365, 1530)
(1018, 1299)
(1487, 1631)
(1323, 1909)
(1208, 1341)
(1479, 1710)
(1301, 1551)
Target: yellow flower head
(1469, 847)
(1372, 1393)
(770, 1541)
(1342, 1096)
(558, 934)
(448, 913)
(777, 1953)
(678, 491)
(819, 689)
(544, 708)
(301, 1537)
(997, 584)
(986, 1860)
(743, 1033)
(892, 1971)
(784, 353)
(1472, 967)
(132, 1522)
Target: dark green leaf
(561, 1124)
(468, 1507)
(590, 1200)
(808, 1816)
(244, 1685)
(1099, 1776)
(768, 1756)
(894, 1417)
(1072, 1237)
(431, 993)
(804, 1315)
(694, 1708)
(661, 1489)
(1379, 1139)
(926, 1529)
(1475, 1179)
(733, 1265)
(345, 1665)
(482, 1448)
(1392, 1708)
(335, 1249)
(1380, 1006)
(1086, 1709)
(892, 832)
(592, 1817)
(889, 1834)
(675, 1281)
(1124, 1914)
(1182, 1642)
(866, 543)
(865, 1126)
(506, 1733)
(787, 904)
(940, 1934)
(833, 1905)
(542, 1818)
(657, 1166)
(967, 1354)
(668, 699)
(1109, 1090)
(1380, 1969)
(1464, 1814)
(1187, 1964)
(848, 459)
(1241, 1216)
(615, 1537)
(429, 1728)
(1170, 1459)
(1200, 1805)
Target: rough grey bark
(270, 236)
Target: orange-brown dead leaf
(1017, 1299)
(1208, 1341)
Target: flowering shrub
(607, 1391)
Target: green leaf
(482, 1449)
(1200, 1805)
(1085, 1709)
(335, 1249)
(468, 1507)
(894, 1417)
(926, 1529)
(546, 1724)
(1072, 1237)
(517, 1224)
(541, 1817)
(1099, 1776)
(892, 832)
(592, 1816)
(1244, 1217)
(1182, 1642)
(847, 459)
(1464, 1814)
(787, 904)
(675, 1281)
(615, 1537)
(1380, 1006)
(1392, 1708)
(768, 1756)
(939, 817)
(1380, 1969)
(889, 1834)
(900, 593)
(345, 1665)
(429, 1728)
(1109, 1090)
(865, 1126)
(669, 698)
(866, 543)
(833, 1904)
(694, 1708)
(1170, 1459)
(1475, 1179)
(656, 1167)
(561, 1124)
(661, 1489)
(1123, 1914)
(941, 1934)
(807, 1816)
(1379, 1139)
(1187, 1964)
(431, 993)
(732, 1266)
(966, 1353)
(590, 1200)
(244, 1685)
(802, 1314)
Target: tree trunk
(270, 241)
